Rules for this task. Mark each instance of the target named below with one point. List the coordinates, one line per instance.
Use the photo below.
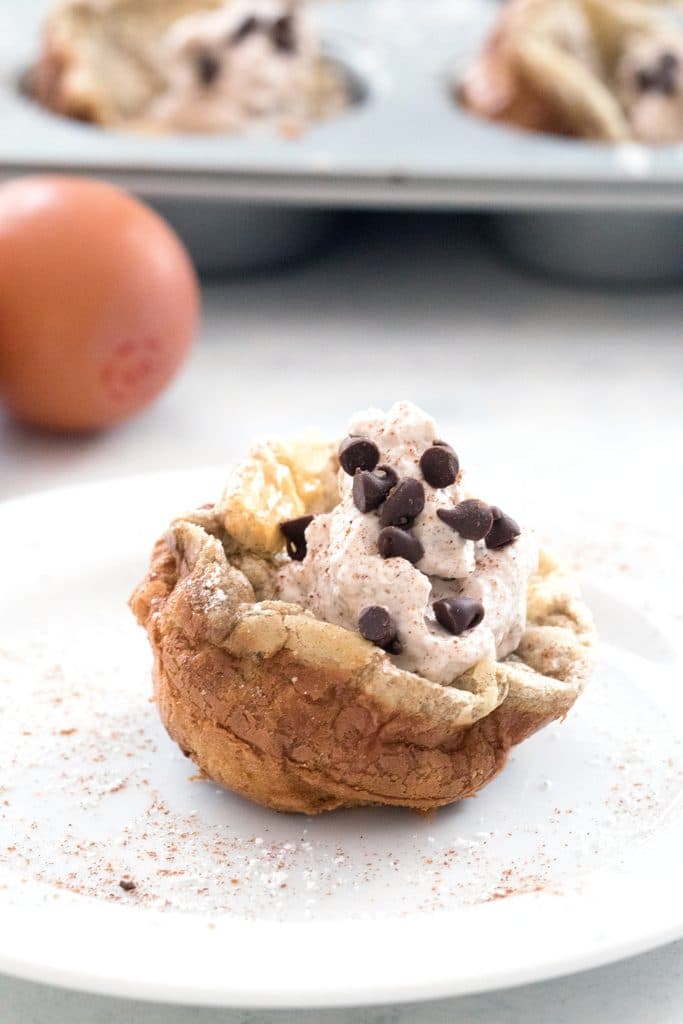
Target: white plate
(568, 860)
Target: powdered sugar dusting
(213, 594)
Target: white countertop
(581, 390)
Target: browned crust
(508, 97)
(256, 695)
(47, 83)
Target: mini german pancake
(191, 66)
(606, 70)
(347, 625)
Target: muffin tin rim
(363, 155)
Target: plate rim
(21, 961)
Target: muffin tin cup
(226, 238)
(595, 212)
(609, 248)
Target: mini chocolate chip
(404, 504)
(358, 453)
(644, 79)
(371, 489)
(294, 531)
(472, 518)
(283, 35)
(456, 614)
(393, 542)
(503, 531)
(244, 29)
(208, 68)
(376, 625)
(127, 885)
(439, 465)
(662, 77)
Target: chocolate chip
(127, 885)
(396, 543)
(294, 531)
(208, 68)
(503, 531)
(246, 28)
(404, 504)
(439, 465)
(662, 78)
(472, 518)
(283, 35)
(371, 489)
(456, 614)
(376, 625)
(358, 453)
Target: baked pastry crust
(301, 715)
(93, 64)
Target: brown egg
(98, 303)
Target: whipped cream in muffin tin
(649, 86)
(459, 602)
(245, 60)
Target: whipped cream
(649, 86)
(244, 61)
(343, 572)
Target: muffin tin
(573, 207)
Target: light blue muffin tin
(569, 206)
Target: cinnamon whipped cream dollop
(244, 61)
(435, 577)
